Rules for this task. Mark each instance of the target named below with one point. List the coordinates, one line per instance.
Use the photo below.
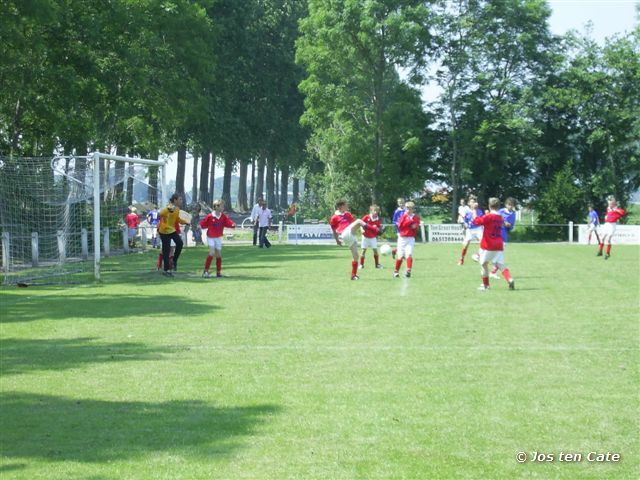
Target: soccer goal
(60, 215)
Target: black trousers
(166, 238)
(264, 242)
(255, 233)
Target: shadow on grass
(99, 306)
(87, 430)
(22, 356)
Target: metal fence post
(84, 243)
(62, 247)
(6, 251)
(125, 239)
(35, 249)
(107, 243)
(570, 232)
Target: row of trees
(330, 91)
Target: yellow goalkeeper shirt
(168, 220)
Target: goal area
(60, 215)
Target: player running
(397, 213)
(491, 245)
(215, 223)
(472, 231)
(508, 214)
(370, 231)
(594, 223)
(614, 213)
(408, 225)
(343, 224)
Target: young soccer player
(169, 216)
(172, 250)
(397, 213)
(462, 212)
(614, 213)
(153, 217)
(215, 224)
(594, 222)
(472, 231)
(508, 214)
(407, 227)
(343, 225)
(491, 245)
(370, 231)
(132, 220)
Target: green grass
(288, 370)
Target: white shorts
(593, 227)
(609, 228)
(491, 256)
(369, 242)
(349, 229)
(473, 234)
(215, 243)
(405, 246)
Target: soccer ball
(347, 238)
(385, 249)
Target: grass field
(288, 370)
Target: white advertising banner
(445, 233)
(625, 235)
(316, 233)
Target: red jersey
(340, 221)
(373, 227)
(132, 220)
(614, 214)
(408, 225)
(492, 233)
(215, 225)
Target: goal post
(97, 156)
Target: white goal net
(50, 208)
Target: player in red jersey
(407, 227)
(491, 245)
(614, 213)
(372, 228)
(215, 224)
(133, 221)
(343, 226)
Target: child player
(472, 231)
(397, 213)
(594, 222)
(172, 250)
(215, 224)
(370, 231)
(342, 224)
(614, 213)
(491, 245)
(508, 214)
(407, 227)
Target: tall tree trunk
(203, 196)
(226, 181)
(194, 186)
(130, 183)
(276, 188)
(153, 196)
(182, 163)
(252, 195)
(296, 190)
(212, 178)
(284, 187)
(242, 187)
(271, 197)
(120, 178)
(260, 178)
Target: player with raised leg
(342, 225)
(491, 245)
(508, 214)
(614, 213)
(471, 231)
(408, 225)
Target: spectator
(264, 222)
(254, 218)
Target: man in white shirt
(264, 222)
(254, 219)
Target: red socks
(409, 263)
(362, 260)
(207, 263)
(506, 274)
(398, 264)
(600, 247)
(218, 264)
(608, 249)
(354, 268)
(375, 258)
(464, 252)
(485, 281)
(159, 262)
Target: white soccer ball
(347, 238)
(385, 249)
